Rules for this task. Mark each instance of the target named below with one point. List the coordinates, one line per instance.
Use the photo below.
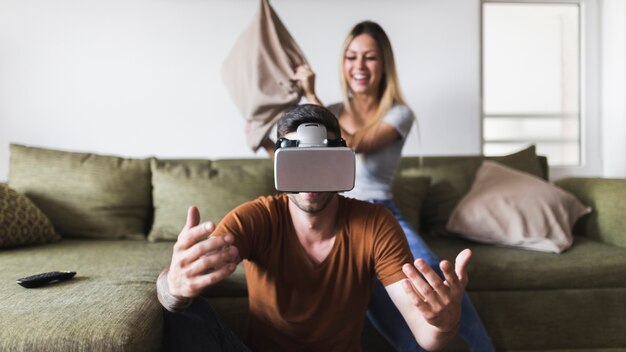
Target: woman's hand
(305, 75)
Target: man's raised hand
(197, 261)
(438, 301)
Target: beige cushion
(259, 71)
(85, 195)
(451, 179)
(215, 187)
(21, 222)
(512, 208)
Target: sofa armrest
(607, 197)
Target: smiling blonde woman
(375, 122)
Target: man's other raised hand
(200, 260)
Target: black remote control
(45, 278)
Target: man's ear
(285, 143)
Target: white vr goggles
(313, 163)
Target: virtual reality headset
(312, 162)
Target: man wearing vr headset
(310, 260)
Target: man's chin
(312, 203)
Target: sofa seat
(110, 305)
(577, 268)
(588, 264)
(590, 276)
(548, 294)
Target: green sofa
(104, 207)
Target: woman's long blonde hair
(389, 92)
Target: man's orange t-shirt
(296, 304)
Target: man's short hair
(307, 113)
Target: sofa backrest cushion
(452, 177)
(409, 193)
(21, 222)
(218, 186)
(83, 194)
(607, 197)
(215, 187)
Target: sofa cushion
(85, 195)
(110, 305)
(452, 177)
(409, 193)
(608, 198)
(587, 264)
(512, 208)
(526, 160)
(215, 187)
(21, 222)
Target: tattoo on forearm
(169, 301)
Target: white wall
(142, 77)
(614, 87)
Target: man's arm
(197, 263)
(431, 307)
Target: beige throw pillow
(452, 178)
(512, 208)
(259, 73)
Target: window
(531, 79)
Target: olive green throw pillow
(85, 195)
(526, 160)
(215, 187)
(608, 199)
(21, 222)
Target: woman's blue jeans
(386, 318)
